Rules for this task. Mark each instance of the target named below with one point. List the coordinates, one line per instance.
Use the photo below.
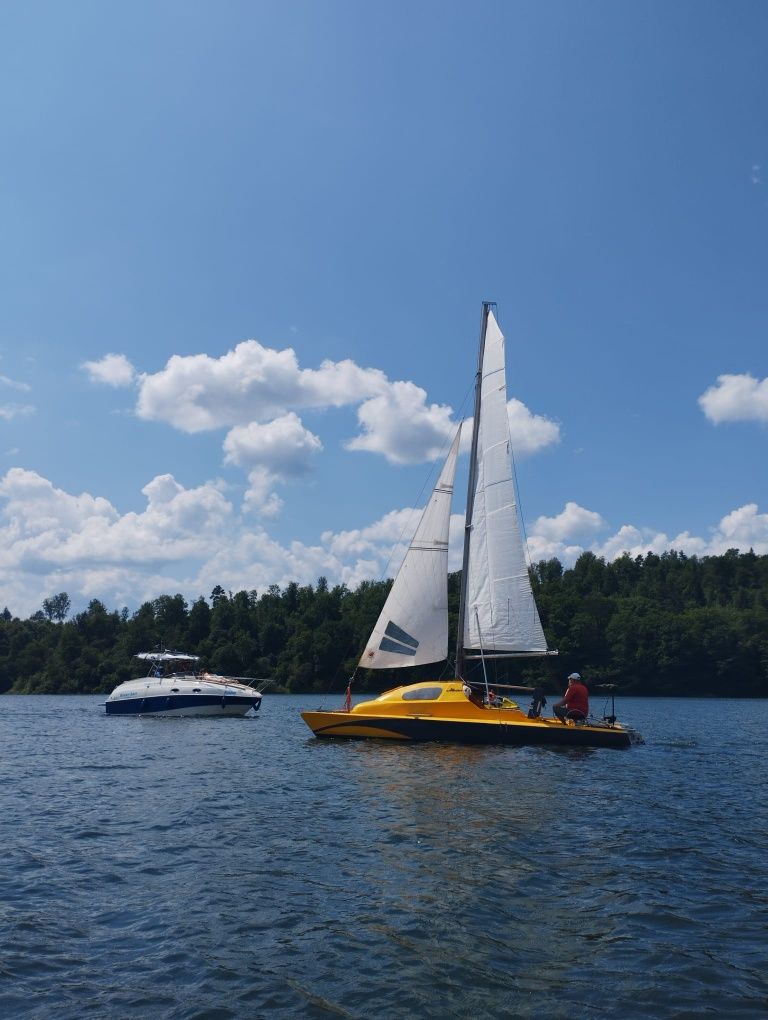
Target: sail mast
(471, 494)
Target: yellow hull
(409, 713)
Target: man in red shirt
(575, 703)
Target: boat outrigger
(498, 618)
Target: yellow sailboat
(498, 617)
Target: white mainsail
(413, 626)
(501, 614)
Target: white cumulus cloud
(113, 370)
(573, 521)
(260, 497)
(638, 542)
(561, 536)
(275, 452)
(743, 529)
(249, 383)
(530, 432)
(283, 446)
(736, 398)
(189, 540)
(393, 528)
(256, 393)
(399, 424)
(45, 531)
(565, 536)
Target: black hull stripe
(176, 702)
(480, 733)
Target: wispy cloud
(10, 411)
(14, 385)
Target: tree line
(665, 624)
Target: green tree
(57, 607)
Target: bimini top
(167, 656)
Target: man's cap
(574, 676)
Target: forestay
(501, 614)
(413, 626)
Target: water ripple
(222, 868)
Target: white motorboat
(176, 686)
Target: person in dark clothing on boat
(575, 702)
(538, 701)
(472, 695)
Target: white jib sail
(413, 626)
(501, 614)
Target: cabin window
(423, 694)
(174, 690)
(196, 690)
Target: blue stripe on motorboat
(174, 702)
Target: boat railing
(216, 678)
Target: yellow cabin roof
(427, 690)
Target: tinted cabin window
(423, 694)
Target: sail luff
(412, 628)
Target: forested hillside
(669, 624)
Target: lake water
(222, 868)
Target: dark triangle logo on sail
(397, 640)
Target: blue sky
(244, 248)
